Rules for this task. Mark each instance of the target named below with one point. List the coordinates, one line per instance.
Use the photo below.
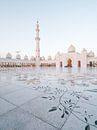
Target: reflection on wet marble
(48, 99)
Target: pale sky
(62, 22)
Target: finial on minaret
(37, 21)
(37, 26)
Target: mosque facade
(70, 59)
(76, 59)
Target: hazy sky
(62, 22)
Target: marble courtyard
(48, 99)
(49, 94)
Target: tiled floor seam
(30, 100)
(16, 106)
(71, 112)
(8, 101)
(9, 111)
(40, 119)
(21, 104)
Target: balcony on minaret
(37, 38)
(37, 29)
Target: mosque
(70, 59)
(75, 59)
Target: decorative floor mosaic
(48, 99)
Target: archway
(69, 64)
(79, 63)
(91, 64)
(61, 64)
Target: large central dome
(71, 49)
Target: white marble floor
(48, 99)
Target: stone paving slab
(17, 119)
(40, 108)
(86, 111)
(22, 96)
(91, 95)
(2, 83)
(4, 90)
(36, 124)
(74, 124)
(13, 119)
(82, 116)
(5, 106)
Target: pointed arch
(69, 62)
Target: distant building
(75, 59)
(25, 57)
(8, 56)
(69, 59)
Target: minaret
(37, 42)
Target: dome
(58, 53)
(32, 58)
(91, 54)
(18, 57)
(71, 49)
(84, 51)
(49, 58)
(25, 57)
(8, 56)
(42, 58)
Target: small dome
(18, 57)
(42, 58)
(91, 54)
(25, 57)
(84, 50)
(71, 49)
(58, 53)
(32, 58)
(8, 56)
(49, 58)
